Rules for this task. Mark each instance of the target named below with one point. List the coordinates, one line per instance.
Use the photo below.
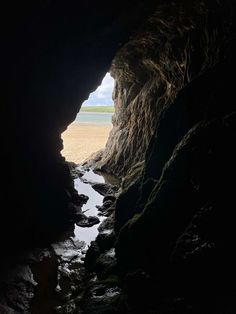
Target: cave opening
(88, 133)
(83, 142)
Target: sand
(80, 140)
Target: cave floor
(53, 279)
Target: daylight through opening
(89, 132)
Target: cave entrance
(90, 130)
(83, 139)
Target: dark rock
(107, 208)
(19, 290)
(84, 221)
(75, 171)
(188, 181)
(4, 309)
(140, 290)
(84, 180)
(83, 198)
(127, 199)
(107, 224)
(74, 210)
(111, 198)
(105, 264)
(92, 254)
(103, 299)
(106, 240)
(104, 188)
(107, 203)
(78, 199)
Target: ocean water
(94, 117)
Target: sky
(102, 95)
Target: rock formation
(176, 44)
(172, 142)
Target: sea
(94, 117)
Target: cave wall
(54, 54)
(177, 43)
(173, 144)
(174, 223)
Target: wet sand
(81, 140)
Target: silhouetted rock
(84, 221)
(104, 188)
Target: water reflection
(89, 234)
(94, 197)
(91, 176)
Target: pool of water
(83, 187)
(69, 252)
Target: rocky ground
(69, 275)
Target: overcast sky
(102, 95)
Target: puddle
(91, 176)
(81, 237)
(62, 272)
(95, 199)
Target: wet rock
(45, 272)
(91, 255)
(74, 210)
(93, 220)
(69, 249)
(133, 175)
(107, 203)
(105, 264)
(139, 290)
(93, 158)
(106, 240)
(38, 255)
(83, 198)
(107, 208)
(19, 290)
(85, 221)
(128, 198)
(103, 299)
(84, 180)
(99, 258)
(109, 197)
(4, 309)
(107, 224)
(104, 188)
(76, 172)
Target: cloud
(103, 94)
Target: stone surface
(170, 50)
(87, 222)
(104, 188)
(187, 184)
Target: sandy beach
(81, 140)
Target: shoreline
(92, 124)
(82, 139)
(93, 112)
